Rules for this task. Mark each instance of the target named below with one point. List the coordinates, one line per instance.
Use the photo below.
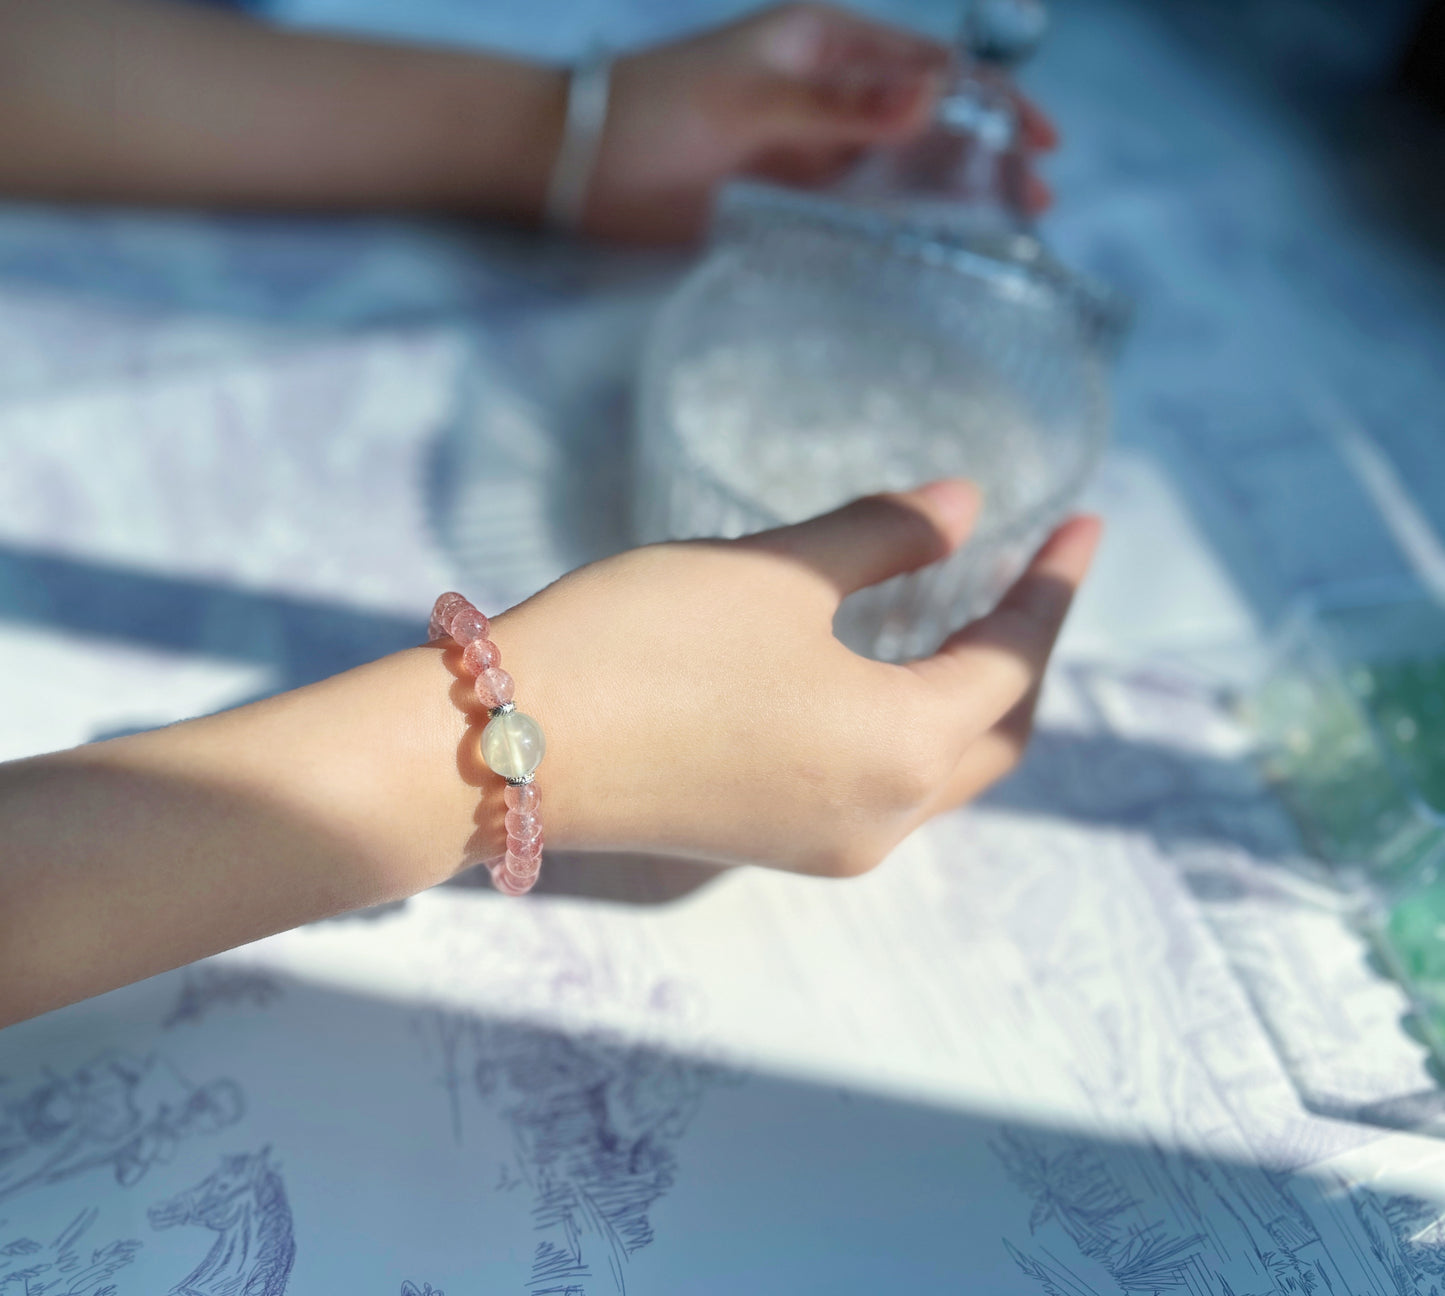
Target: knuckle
(888, 752)
(913, 777)
(923, 751)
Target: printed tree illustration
(1075, 1189)
(1149, 1261)
(1071, 1188)
(1419, 1227)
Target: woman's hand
(217, 109)
(696, 702)
(694, 699)
(794, 93)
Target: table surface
(236, 455)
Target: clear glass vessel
(874, 338)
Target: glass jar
(834, 344)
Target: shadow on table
(613, 877)
(1177, 797)
(296, 270)
(300, 640)
(530, 475)
(576, 1152)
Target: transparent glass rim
(1051, 506)
(1012, 258)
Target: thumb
(879, 536)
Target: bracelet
(587, 92)
(512, 743)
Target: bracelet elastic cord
(587, 92)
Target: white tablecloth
(1015, 1059)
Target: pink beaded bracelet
(512, 743)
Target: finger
(1036, 127)
(1025, 189)
(987, 759)
(806, 167)
(990, 757)
(818, 42)
(804, 115)
(1037, 196)
(872, 539)
(838, 79)
(859, 50)
(992, 664)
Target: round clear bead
(523, 825)
(526, 798)
(512, 745)
(494, 687)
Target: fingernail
(1090, 524)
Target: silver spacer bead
(523, 781)
(505, 709)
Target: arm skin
(125, 858)
(158, 101)
(164, 102)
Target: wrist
(542, 139)
(547, 690)
(507, 123)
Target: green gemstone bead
(512, 745)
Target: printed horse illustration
(244, 1202)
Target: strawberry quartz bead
(523, 868)
(443, 610)
(495, 687)
(523, 826)
(507, 884)
(515, 885)
(511, 743)
(522, 796)
(525, 848)
(479, 655)
(468, 624)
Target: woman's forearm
(694, 701)
(128, 857)
(153, 101)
